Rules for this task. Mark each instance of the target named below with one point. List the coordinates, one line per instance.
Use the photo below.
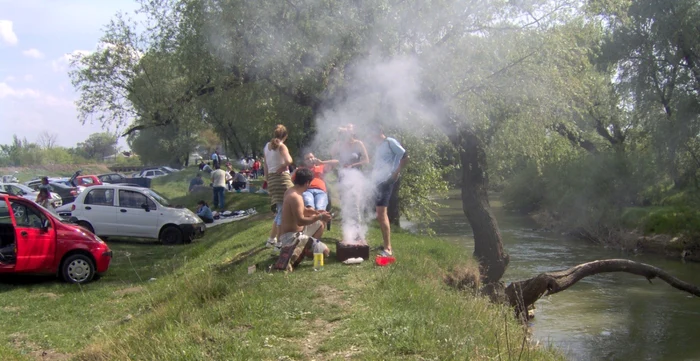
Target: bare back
(291, 206)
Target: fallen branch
(523, 294)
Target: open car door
(35, 237)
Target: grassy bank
(198, 302)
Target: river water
(604, 317)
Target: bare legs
(383, 219)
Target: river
(604, 317)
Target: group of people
(300, 198)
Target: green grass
(198, 302)
(671, 220)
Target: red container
(384, 261)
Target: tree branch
(522, 294)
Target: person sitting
(195, 182)
(316, 196)
(301, 226)
(207, 168)
(239, 181)
(204, 212)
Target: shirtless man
(299, 223)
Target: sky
(36, 40)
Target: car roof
(116, 186)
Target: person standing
(218, 182)
(256, 168)
(277, 161)
(216, 160)
(390, 157)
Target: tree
(47, 140)
(98, 146)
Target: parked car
(116, 178)
(151, 173)
(32, 240)
(11, 178)
(115, 210)
(21, 190)
(66, 192)
(86, 181)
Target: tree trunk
(393, 209)
(488, 247)
(523, 294)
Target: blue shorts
(384, 190)
(278, 216)
(315, 198)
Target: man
(239, 181)
(256, 168)
(216, 160)
(301, 227)
(316, 196)
(196, 182)
(218, 181)
(390, 157)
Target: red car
(33, 240)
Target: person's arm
(331, 162)
(304, 218)
(400, 160)
(265, 169)
(285, 157)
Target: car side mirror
(145, 207)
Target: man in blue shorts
(390, 157)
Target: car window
(100, 197)
(131, 199)
(26, 215)
(87, 181)
(4, 212)
(158, 172)
(14, 190)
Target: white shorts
(306, 233)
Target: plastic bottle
(318, 255)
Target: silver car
(21, 190)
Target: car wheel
(78, 268)
(85, 225)
(171, 235)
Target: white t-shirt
(273, 158)
(218, 178)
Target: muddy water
(604, 317)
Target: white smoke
(378, 90)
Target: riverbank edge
(679, 246)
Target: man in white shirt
(218, 181)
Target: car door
(137, 220)
(35, 237)
(98, 208)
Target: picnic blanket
(228, 217)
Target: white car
(151, 173)
(26, 192)
(113, 210)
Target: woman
(350, 151)
(204, 212)
(353, 186)
(44, 199)
(277, 162)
